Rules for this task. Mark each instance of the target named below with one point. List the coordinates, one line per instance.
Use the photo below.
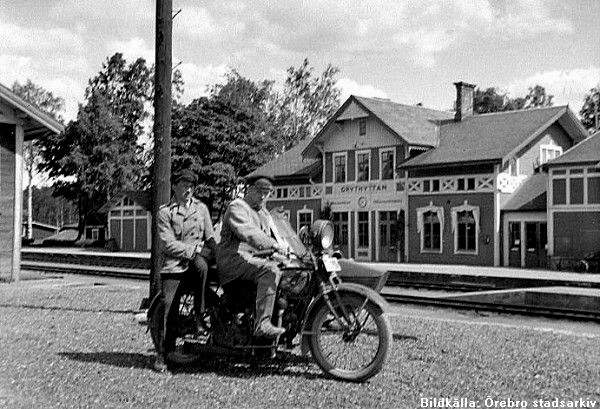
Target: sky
(408, 51)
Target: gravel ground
(73, 343)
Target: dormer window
(549, 152)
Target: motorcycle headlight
(322, 234)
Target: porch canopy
(19, 122)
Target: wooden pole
(161, 170)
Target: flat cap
(184, 174)
(260, 181)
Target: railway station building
(407, 183)
(19, 122)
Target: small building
(19, 122)
(573, 201)
(129, 220)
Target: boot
(265, 329)
(264, 311)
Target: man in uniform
(187, 238)
(246, 229)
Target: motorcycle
(331, 305)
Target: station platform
(516, 289)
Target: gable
(352, 111)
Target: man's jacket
(244, 231)
(183, 232)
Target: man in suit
(246, 229)
(187, 236)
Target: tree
(53, 106)
(128, 90)
(537, 97)
(224, 136)
(590, 110)
(493, 100)
(92, 159)
(98, 153)
(306, 103)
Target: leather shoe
(159, 364)
(267, 330)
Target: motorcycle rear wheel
(353, 354)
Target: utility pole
(161, 169)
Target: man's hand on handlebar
(282, 249)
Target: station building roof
(530, 195)
(494, 137)
(587, 151)
(290, 164)
(415, 125)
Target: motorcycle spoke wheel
(354, 349)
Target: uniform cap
(184, 174)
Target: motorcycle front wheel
(353, 348)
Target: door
(388, 236)
(514, 244)
(340, 230)
(535, 244)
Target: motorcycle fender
(343, 288)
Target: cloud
(132, 49)
(198, 80)
(349, 87)
(416, 31)
(567, 86)
(32, 39)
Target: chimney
(464, 100)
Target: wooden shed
(19, 122)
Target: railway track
(494, 307)
(441, 302)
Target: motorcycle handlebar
(264, 253)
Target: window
(431, 231)
(281, 192)
(430, 225)
(340, 228)
(387, 164)
(513, 167)
(127, 201)
(339, 161)
(363, 229)
(576, 190)
(465, 224)
(363, 161)
(515, 236)
(559, 191)
(304, 218)
(593, 189)
(362, 126)
(549, 152)
(466, 231)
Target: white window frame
(368, 152)
(381, 151)
(546, 147)
(439, 210)
(465, 207)
(304, 211)
(337, 155)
